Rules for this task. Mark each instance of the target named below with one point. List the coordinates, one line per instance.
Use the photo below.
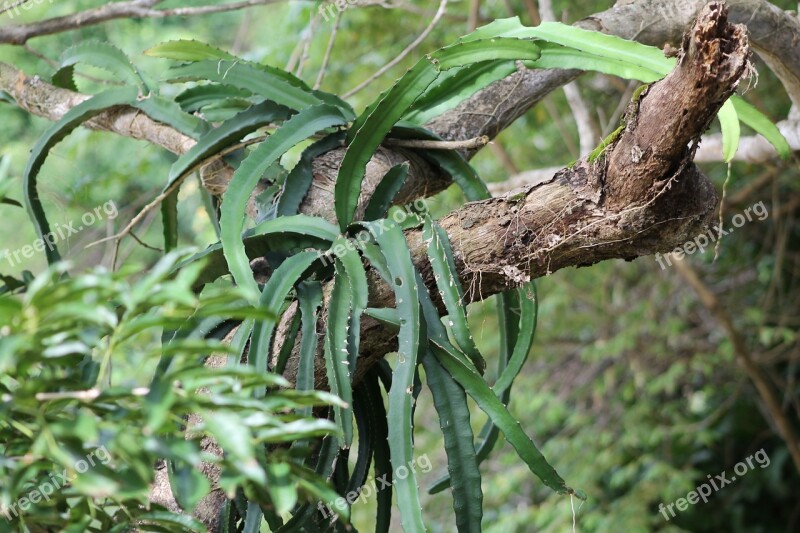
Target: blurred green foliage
(632, 389)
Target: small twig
(12, 6)
(20, 34)
(140, 241)
(307, 38)
(474, 14)
(403, 54)
(467, 144)
(745, 358)
(328, 50)
(83, 395)
(166, 192)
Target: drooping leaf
(296, 129)
(393, 245)
(440, 254)
(299, 179)
(466, 375)
(462, 465)
(496, 48)
(762, 125)
(286, 276)
(267, 83)
(337, 360)
(105, 56)
(368, 131)
(381, 200)
(729, 123)
(71, 120)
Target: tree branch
(135, 9)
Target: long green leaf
(272, 297)
(498, 48)
(445, 275)
(268, 84)
(462, 465)
(381, 200)
(762, 125)
(299, 179)
(337, 362)
(476, 387)
(168, 112)
(381, 452)
(296, 129)
(393, 245)
(729, 123)
(309, 297)
(357, 277)
(187, 50)
(456, 85)
(195, 98)
(368, 132)
(71, 120)
(105, 56)
(224, 135)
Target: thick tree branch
(642, 196)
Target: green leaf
(445, 275)
(267, 83)
(296, 129)
(309, 296)
(385, 192)
(299, 179)
(368, 131)
(455, 86)
(71, 120)
(497, 48)
(187, 50)
(449, 161)
(558, 56)
(168, 112)
(225, 134)
(195, 98)
(381, 451)
(357, 278)
(404, 282)
(476, 387)
(337, 360)
(272, 297)
(762, 125)
(286, 233)
(462, 465)
(169, 217)
(105, 56)
(731, 132)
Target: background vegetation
(632, 388)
